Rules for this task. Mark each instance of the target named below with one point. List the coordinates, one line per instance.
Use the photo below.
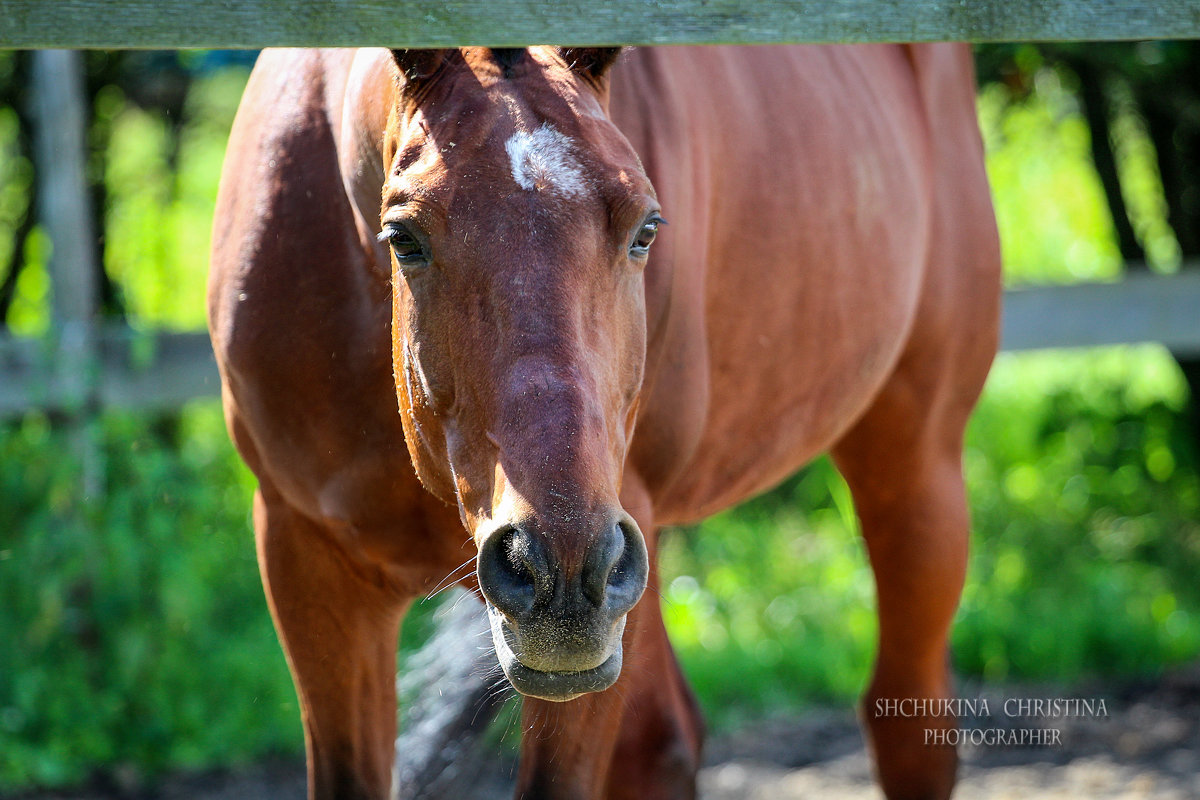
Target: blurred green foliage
(1082, 475)
(135, 637)
(1054, 225)
(158, 222)
(1055, 222)
(132, 622)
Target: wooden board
(135, 371)
(1141, 308)
(431, 23)
(167, 370)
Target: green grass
(135, 632)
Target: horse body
(827, 280)
(813, 196)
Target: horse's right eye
(408, 249)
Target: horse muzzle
(557, 624)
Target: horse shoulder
(300, 312)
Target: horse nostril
(615, 572)
(601, 564)
(509, 563)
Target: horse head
(520, 221)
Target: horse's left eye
(645, 237)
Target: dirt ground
(1147, 745)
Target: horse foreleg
(338, 624)
(907, 485)
(658, 750)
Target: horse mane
(508, 58)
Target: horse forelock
(508, 58)
(542, 138)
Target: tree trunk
(1097, 111)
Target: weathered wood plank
(430, 23)
(1140, 308)
(138, 371)
(157, 371)
(134, 371)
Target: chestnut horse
(470, 235)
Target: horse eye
(646, 236)
(407, 248)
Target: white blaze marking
(543, 160)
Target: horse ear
(590, 62)
(418, 65)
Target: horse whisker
(449, 580)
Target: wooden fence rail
(143, 370)
(435, 23)
(1141, 308)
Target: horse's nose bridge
(553, 428)
(536, 385)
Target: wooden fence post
(60, 151)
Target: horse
(497, 316)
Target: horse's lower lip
(562, 686)
(556, 685)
